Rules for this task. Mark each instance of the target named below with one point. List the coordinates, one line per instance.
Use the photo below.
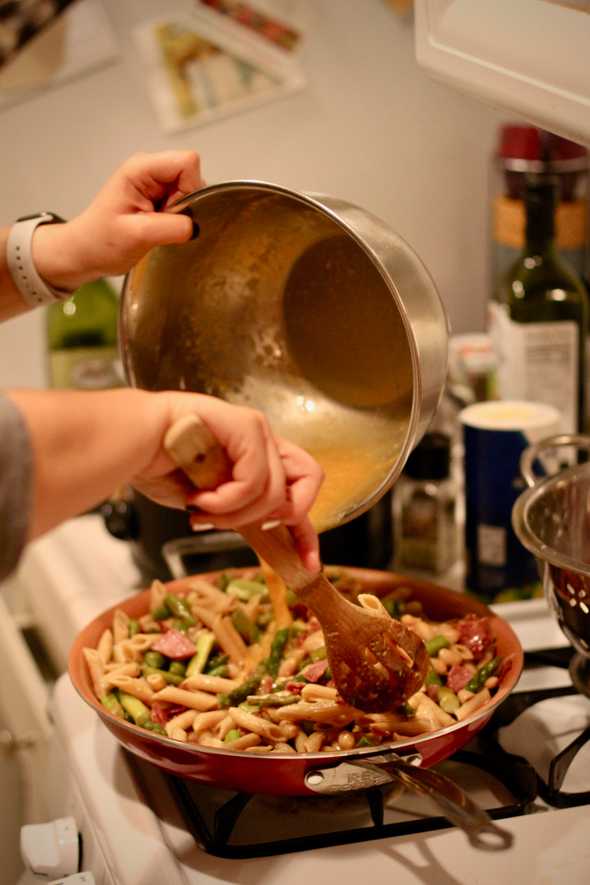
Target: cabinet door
(530, 56)
(25, 727)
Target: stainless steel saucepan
(306, 307)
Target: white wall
(370, 127)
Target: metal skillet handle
(563, 440)
(479, 828)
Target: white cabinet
(25, 730)
(530, 56)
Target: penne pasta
(194, 700)
(120, 626)
(139, 688)
(183, 720)
(257, 724)
(216, 686)
(105, 646)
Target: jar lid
(530, 149)
(431, 458)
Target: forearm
(85, 445)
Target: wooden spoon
(376, 662)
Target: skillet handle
(563, 440)
(454, 804)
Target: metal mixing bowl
(306, 307)
(552, 520)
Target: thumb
(160, 228)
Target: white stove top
(79, 570)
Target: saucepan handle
(563, 440)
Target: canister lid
(431, 458)
(530, 149)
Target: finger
(165, 167)
(304, 478)
(307, 544)
(158, 229)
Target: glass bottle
(539, 318)
(82, 339)
(424, 509)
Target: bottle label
(84, 368)
(537, 362)
(509, 219)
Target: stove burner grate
(550, 790)
(215, 836)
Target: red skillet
(307, 773)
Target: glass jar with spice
(425, 509)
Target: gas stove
(530, 768)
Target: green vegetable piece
(178, 668)
(222, 670)
(448, 700)
(275, 699)
(161, 612)
(232, 735)
(308, 726)
(240, 694)
(154, 659)
(205, 642)
(392, 606)
(245, 627)
(223, 580)
(216, 661)
(111, 702)
(434, 645)
(249, 708)
(133, 626)
(365, 741)
(138, 711)
(320, 654)
(477, 681)
(180, 609)
(264, 619)
(292, 598)
(277, 650)
(244, 589)
(432, 678)
(172, 678)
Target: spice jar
(424, 508)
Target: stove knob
(51, 849)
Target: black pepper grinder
(424, 507)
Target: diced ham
(162, 712)
(294, 687)
(459, 675)
(175, 645)
(475, 633)
(314, 672)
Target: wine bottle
(539, 318)
(82, 339)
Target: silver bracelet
(34, 290)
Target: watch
(34, 290)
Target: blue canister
(494, 435)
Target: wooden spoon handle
(192, 446)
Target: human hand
(272, 479)
(123, 221)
